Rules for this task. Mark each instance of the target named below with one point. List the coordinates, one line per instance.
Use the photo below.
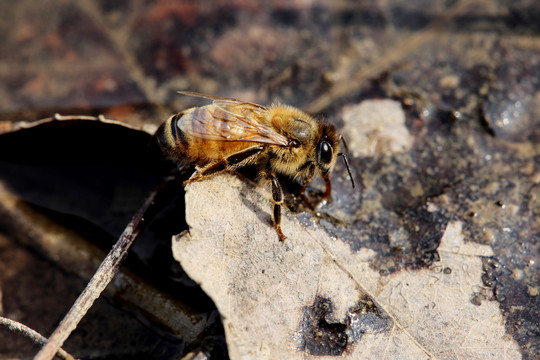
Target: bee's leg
(309, 168)
(277, 196)
(225, 163)
(305, 183)
(303, 196)
(328, 191)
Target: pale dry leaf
(264, 288)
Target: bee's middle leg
(277, 196)
(225, 163)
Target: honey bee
(229, 134)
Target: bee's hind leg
(224, 164)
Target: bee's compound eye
(325, 152)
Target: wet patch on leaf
(322, 334)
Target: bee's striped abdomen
(179, 137)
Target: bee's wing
(224, 101)
(205, 96)
(230, 124)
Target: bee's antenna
(344, 143)
(348, 168)
(345, 159)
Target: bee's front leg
(302, 194)
(325, 196)
(328, 191)
(305, 183)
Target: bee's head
(327, 149)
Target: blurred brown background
(467, 74)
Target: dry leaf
(313, 295)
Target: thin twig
(101, 278)
(33, 335)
